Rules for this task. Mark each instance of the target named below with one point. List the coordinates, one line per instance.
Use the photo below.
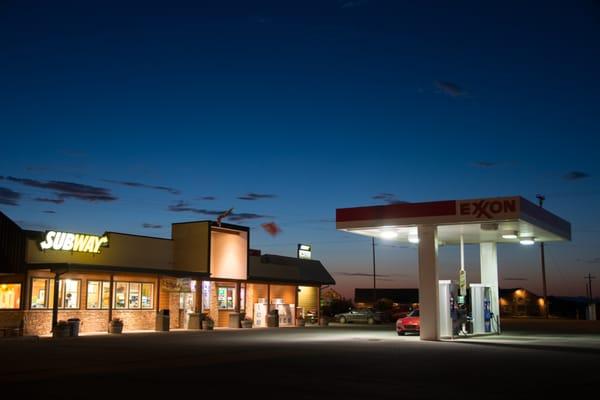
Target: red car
(410, 323)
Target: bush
(336, 307)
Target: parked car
(364, 316)
(411, 323)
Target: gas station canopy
(500, 220)
(455, 222)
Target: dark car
(364, 316)
(409, 324)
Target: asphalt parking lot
(299, 363)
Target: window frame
(20, 293)
(127, 293)
(151, 284)
(100, 294)
(233, 297)
(48, 285)
(62, 288)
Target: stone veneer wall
(38, 322)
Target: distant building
(398, 297)
(519, 302)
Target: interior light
(389, 234)
(510, 235)
(528, 241)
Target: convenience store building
(203, 267)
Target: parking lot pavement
(354, 362)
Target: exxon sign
(487, 208)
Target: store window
(68, 293)
(147, 295)
(225, 297)
(41, 293)
(121, 294)
(242, 297)
(98, 294)
(134, 295)
(206, 295)
(10, 296)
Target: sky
(129, 116)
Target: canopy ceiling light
(527, 241)
(389, 234)
(510, 235)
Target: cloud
(151, 226)
(246, 216)
(485, 164)
(210, 198)
(9, 197)
(66, 190)
(46, 200)
(389, 198)
(449, 88)
(575, 175)
(256, 196)
(49, 212)
(145, 186)
(182, 206)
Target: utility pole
(374, 276)
(589, 278)
(541, 199)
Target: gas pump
(481, 310)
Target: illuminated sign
(486, 208)
(66, 241)
(304, 251)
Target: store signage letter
(73, 242)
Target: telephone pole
(541, 199)
(589, 278)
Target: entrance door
(186, 306)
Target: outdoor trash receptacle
(162, 320)
(273, 319)
(234, 320)
(195, 321)
(74, 326)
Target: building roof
(270, 268)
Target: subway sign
(79, 242)
(486, 209)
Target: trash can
(74, 326)
(195, 321)
(234, 320)
(162, 320)
(273, 319)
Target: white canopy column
(489, 275)
(428, 283)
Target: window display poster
(286, 314)
(260, 314)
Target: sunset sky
(128, 118)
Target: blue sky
(318, 105)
